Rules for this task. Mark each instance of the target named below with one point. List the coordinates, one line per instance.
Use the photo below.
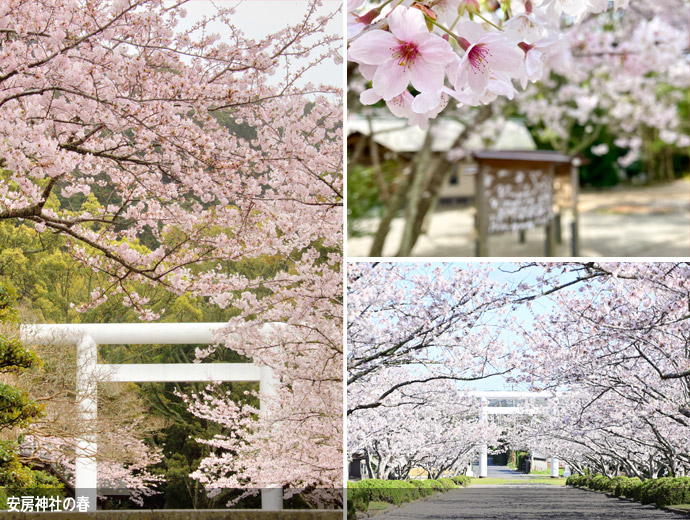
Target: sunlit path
(495, 471)
(525, 503)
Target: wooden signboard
(516, 200)
(518, 190)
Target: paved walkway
(629, 221)
(496, 471)
(526, 503)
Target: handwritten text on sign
(517, 200)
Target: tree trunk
(420, 168)
(441, 170)
(394, 205)
(367, 460)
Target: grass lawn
(378, 506)
(547, 472)
(523, 481)
(684, 507)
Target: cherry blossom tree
(434, 323)
(430, 425)
(414, 332)
(165, 155)
(620, 343)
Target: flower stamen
(406, 54)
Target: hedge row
(462, 480)
(667, 491)
(360, 493)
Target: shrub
(358, 498)
(447, 483)
(435, 484)
(671, 491)
(579, 480)
(625, 486)
(666, 491)
(423, 487)
(462, 480)
(648, 489)
(603, 483)
(351, 510)
(392, 491)
(599, 483)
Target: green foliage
(358, 498)
(18, 479)
(17, 409)
(663, 492)
(393, 491)
(625, 486)
(447, 483)
(14, 357)
(600, 483)
(578, 480)
(435, 484)
(8, 309)
(462, 480)
(363, 197)
(673, 491)
(424, 487)
(521, 458)
(361, 493)
(649, 488)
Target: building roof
(396, 135)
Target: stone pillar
(566, 471)
(483, 472)
(483, 448)
(554, 467)
(272, 494)
(86, 467)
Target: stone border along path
(522, 502)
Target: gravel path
(526, 503)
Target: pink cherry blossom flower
(354, 25)
(490, 52)
(409, 53)
(403, 106)
(535, 54)
(527, 27)
(499, 84)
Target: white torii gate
(88, 336)
(507, 410)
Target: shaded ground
(525, 503)
(614, 223)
